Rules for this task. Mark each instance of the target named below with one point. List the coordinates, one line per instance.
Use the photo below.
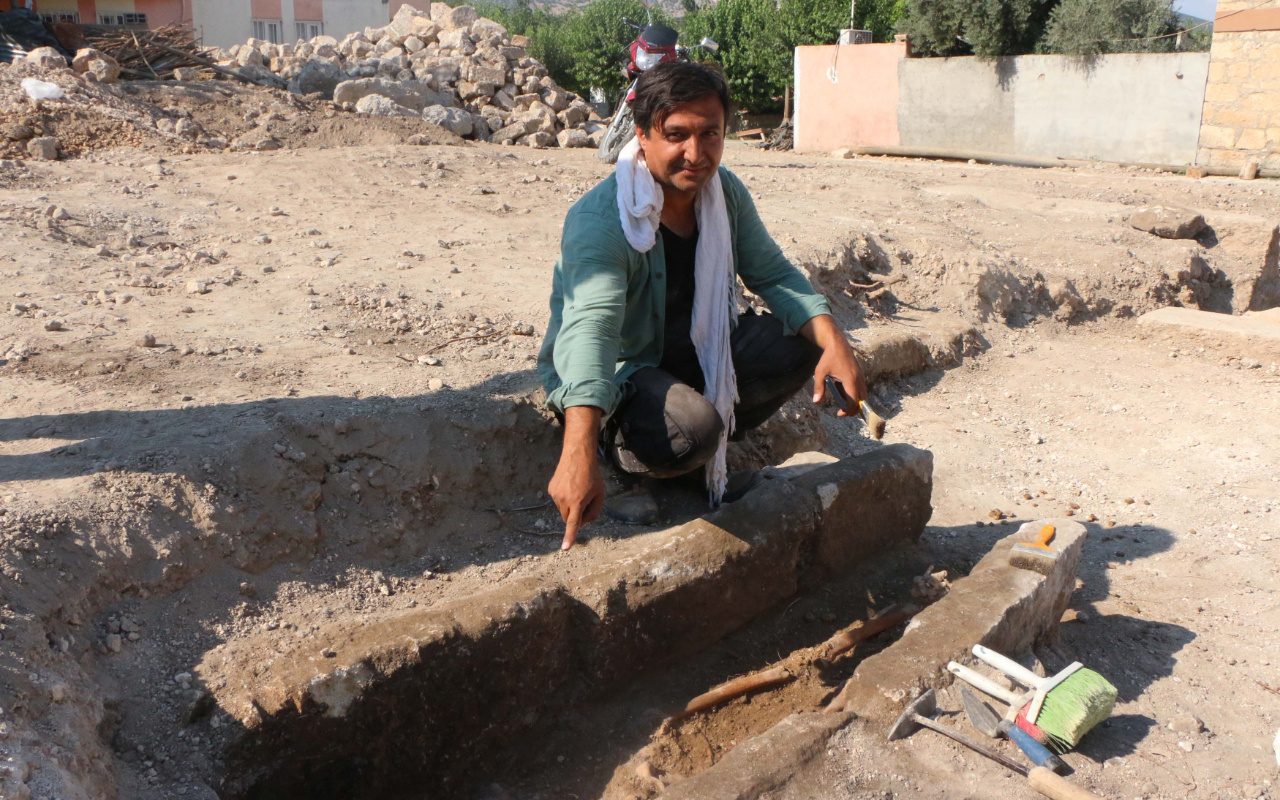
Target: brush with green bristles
(1066, 706)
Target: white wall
(345, 16)
(222, 23)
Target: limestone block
(44, 148)
(375, 105)
(46, 58)
(998, 606)
(414, 95)
(1252, 139)
(409, 21)
(455, 120)
(573, 138)
(1222, 92)
(440, 12)
(489, 73)
(764, 763)
(1215, 137)
(100, 65)
(249, 57)
(462, 17)
(261, 75)
(472, 91)
(539, 139)
(503, 100)
(485, 28)
(317, 75)
(573, 116)
(1168, 222)
(539, 117)
(511, 132)
(557, 99)
(459, 40)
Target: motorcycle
(655, 45)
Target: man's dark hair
(675, 83)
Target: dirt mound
(172, 117)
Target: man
(636, 341)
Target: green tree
(597, 37)
(987, 28)
(758, 39)
(1095, 27)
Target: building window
(55, 18)
(308, 30)
(123, 19)
(268, 29)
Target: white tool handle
(983, 684)
(1009, 667)
(1049, 684)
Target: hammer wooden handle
(1057, 787)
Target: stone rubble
(452, 67)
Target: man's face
(684, 150)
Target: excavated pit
(422, 700)
(316, 596)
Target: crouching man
(646, 353)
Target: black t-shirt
(679, 356)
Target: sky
(1197, 8)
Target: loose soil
(282, 463)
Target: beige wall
(1242, 100)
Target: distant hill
(1189, 21)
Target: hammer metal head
(924, 706)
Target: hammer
(920, 715)
(875, 422)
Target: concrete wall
(1242, 103)
(861, 106)
(1127, 107)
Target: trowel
(984, 719)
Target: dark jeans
(664, 427)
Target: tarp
(23, 31)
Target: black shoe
(635, 506)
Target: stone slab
(406, 702)
(1248, 326)
(763, 763)
(1001, 607)
(888, 354)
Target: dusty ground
(281, 462)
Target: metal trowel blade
(980, 714)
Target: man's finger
(819, 384)
(593, 509)
(571, 525)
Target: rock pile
(90, 63)
(451, 67)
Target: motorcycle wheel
(620, 132)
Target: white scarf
(715, 294)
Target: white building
(222, 23)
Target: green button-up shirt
(608, 301)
